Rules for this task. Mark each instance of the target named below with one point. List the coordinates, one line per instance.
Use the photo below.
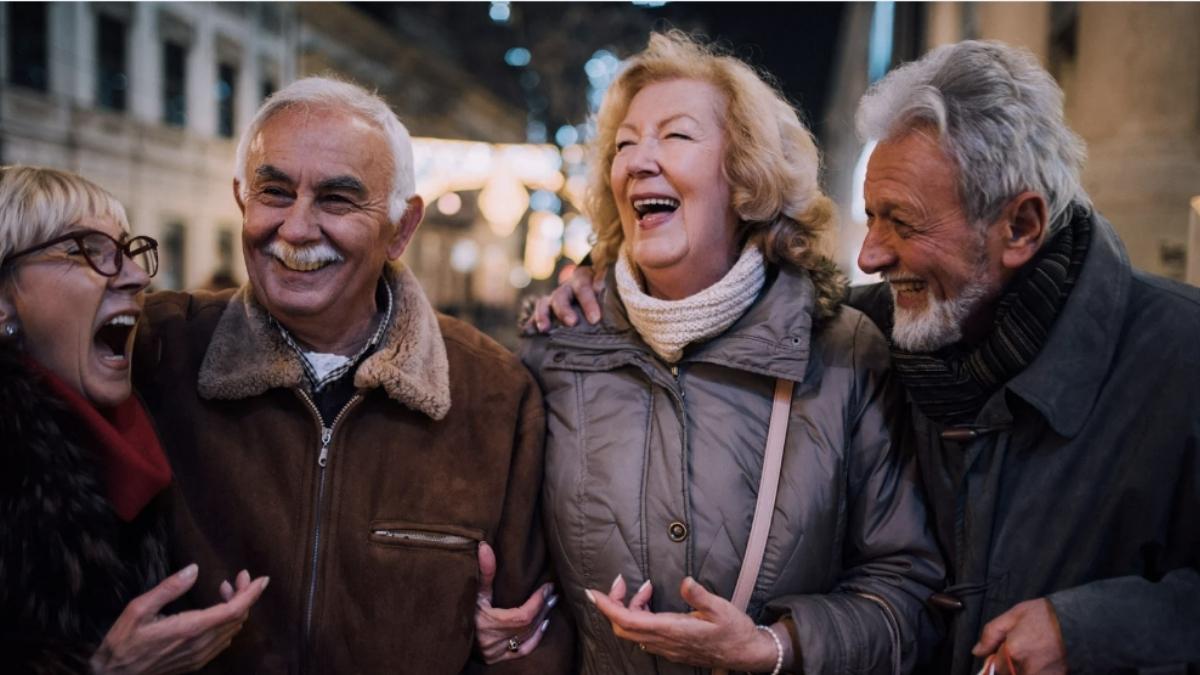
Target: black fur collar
(68, 565)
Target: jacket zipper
(322, 462)
(893, 628)
(422, 537)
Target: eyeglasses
(103, 253)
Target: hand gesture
(1025, 639)
(504, 634)
(583, 288)
(715, 634)
(143, 641)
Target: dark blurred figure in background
(83, 535)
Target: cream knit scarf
(670, 325)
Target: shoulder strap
(768, 487)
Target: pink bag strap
(768, 487)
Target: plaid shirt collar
(337, 373)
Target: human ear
(406, 227)
(1025, 224)
(8, 309)
(237, 196)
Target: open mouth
(655, 205)
(113, 338)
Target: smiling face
(670, 190)
(943, 270)
(316, 232)
(78, 323)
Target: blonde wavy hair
(771, 160)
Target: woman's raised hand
(143, 641)
(715, 634)
(504, 634)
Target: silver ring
(641, 646)
(514, 645)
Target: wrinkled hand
(1030, 633)
(582, 288)
(142, 641)
(494, 627)
(715, 634)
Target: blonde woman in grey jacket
(708, 211)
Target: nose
(877, 253)
(300, 224)
(643, 159)
(131, 279)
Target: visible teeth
(303, 266)
(907, 286)
(642, 204)
(121, 320)
(656, 201)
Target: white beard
(940, 323)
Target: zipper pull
(326, 436)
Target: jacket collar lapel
(781, 320)
(1065, 378)
(247, 356)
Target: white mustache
(306, 255)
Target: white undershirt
(324, 364)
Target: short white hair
(338, 94)
(39, 204)
(999, 116)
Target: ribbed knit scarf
(670, 325)
(951, 385)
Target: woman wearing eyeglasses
(83, 569)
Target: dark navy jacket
(1083, 484)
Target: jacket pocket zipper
(388, 537)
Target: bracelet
(778, 648)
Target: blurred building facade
(148, 99)
(1128, 71)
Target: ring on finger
(642, 646)
(514, 644)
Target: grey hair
(338, 94)
(39, 204)
(998, 114)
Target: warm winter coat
(368, 523)
(68, 563)
(653, 471)
(1083, 484)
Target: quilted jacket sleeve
(874, 620)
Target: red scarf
(127, 449)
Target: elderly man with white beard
(1054, 390)
(328, 428)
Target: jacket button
(677, 531)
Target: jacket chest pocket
(402, 534)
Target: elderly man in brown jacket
(329, 429)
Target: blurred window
(173, 251)
(112, 79)
(174, 84)
(226, 86)
(27, 45)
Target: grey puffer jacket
(652, 472)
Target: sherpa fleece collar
(247, 355)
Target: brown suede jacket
(371, 552)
